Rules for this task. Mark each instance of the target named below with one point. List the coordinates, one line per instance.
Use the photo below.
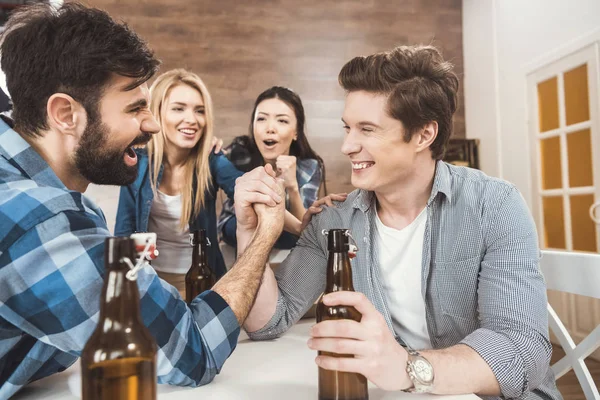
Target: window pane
(583, 228)
(579, 148)
(554, 225)
(550, 159)
(548, 104)
(576, 95)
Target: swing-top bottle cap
(118, 247)
(338, 240)
(198, 236)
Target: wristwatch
(420, 373)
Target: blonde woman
(178, 177)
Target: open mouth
(359, 166)
(130, 156)
(270, 144)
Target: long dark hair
(243, 150)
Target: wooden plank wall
(241, 47)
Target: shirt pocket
(456, 283)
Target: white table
(271, 370)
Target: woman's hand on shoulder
(217, 144)
(317, 206)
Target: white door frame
(590, 55)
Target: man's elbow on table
(264, 335)
(273, 329)
(201, 373)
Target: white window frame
(588, 55)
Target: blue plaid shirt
(51, 275)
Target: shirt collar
(19, 153)
(363, 200)
(441, 184)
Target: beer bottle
(119, 360)
(200, 276)
(336, 385)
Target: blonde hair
(197, 165)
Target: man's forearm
(266, 299)
(243, 238)
(239, 286)
(451, 366)
(265, 304)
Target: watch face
(423, 370)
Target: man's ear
(65, 114)
(427, 135)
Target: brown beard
(101, 164)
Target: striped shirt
(51, 275)
(480, 275)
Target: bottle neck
(199, 254)
(339, 272)
(120, 301)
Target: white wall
(503, 40)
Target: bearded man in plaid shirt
(78, 85)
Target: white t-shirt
(400, 258)
(173, 244)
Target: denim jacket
(136, 199)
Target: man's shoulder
(474, 185)
(342, 212)
(24, 204)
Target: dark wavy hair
(74, 50)
(243, 150)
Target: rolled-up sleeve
(513, 338)
(300, 279)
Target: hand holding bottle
(376, 354)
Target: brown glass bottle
(119, 360)
(200, 276)
(335, 385)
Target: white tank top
(173, 244)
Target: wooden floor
(568, 384)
